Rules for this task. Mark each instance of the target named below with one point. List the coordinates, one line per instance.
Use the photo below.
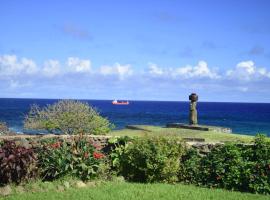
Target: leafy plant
(259, 171)
(190, 167)
(3, 128)
(151, 159)
(78, 158)
(68, 117)
(17, 163)
(118, 146)
(231, 166)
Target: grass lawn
(130, 191)
(209, 136)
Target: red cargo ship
(116, 102)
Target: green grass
(132, 191)
(209, 136)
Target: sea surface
(247, 118)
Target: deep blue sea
(248, 118)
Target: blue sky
(141, 50)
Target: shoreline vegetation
(140, 159)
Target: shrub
(231, 166)
(117, 148)
(78, 158)
(151, 159)
(3, 128)
(17, 163)
(68, 117)
(259, 167)
(221, 167)
(190, 167)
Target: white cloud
(201, 70)
(78, 65)
(51, 68)
(155, 70)
(29, 66)
(15, 84)
(76, 76)
(10, 65)
(122, 71)
(247, 71)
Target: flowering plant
(97, 155)
(78, 157)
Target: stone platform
(200, 127)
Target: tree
(3, 128)
(68, 117)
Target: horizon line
(83, 99)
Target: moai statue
(193, 111)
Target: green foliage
(151, 159)
(3, 128)
(17, 163)
(242, 167)
(231, 166)
(190, 167)
(68, 117)
(259, 171)
(118, 146)
(78, 158)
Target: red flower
(98, 155)
(56, 145)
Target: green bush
(230, 166)
(3, 128)
(259, 167)
(68, 117)
(78, 158)
(117, 146)
(17, 163)
(151, 159)
(190, 167)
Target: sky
(135, 49)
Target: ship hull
(120, 103)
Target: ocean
(242, 118)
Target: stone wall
(32, 140)
(203, 147)
(101, 140)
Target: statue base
(200, 127)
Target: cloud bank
(77, 78)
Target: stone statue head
(193, 97)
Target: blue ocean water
(248, 118)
